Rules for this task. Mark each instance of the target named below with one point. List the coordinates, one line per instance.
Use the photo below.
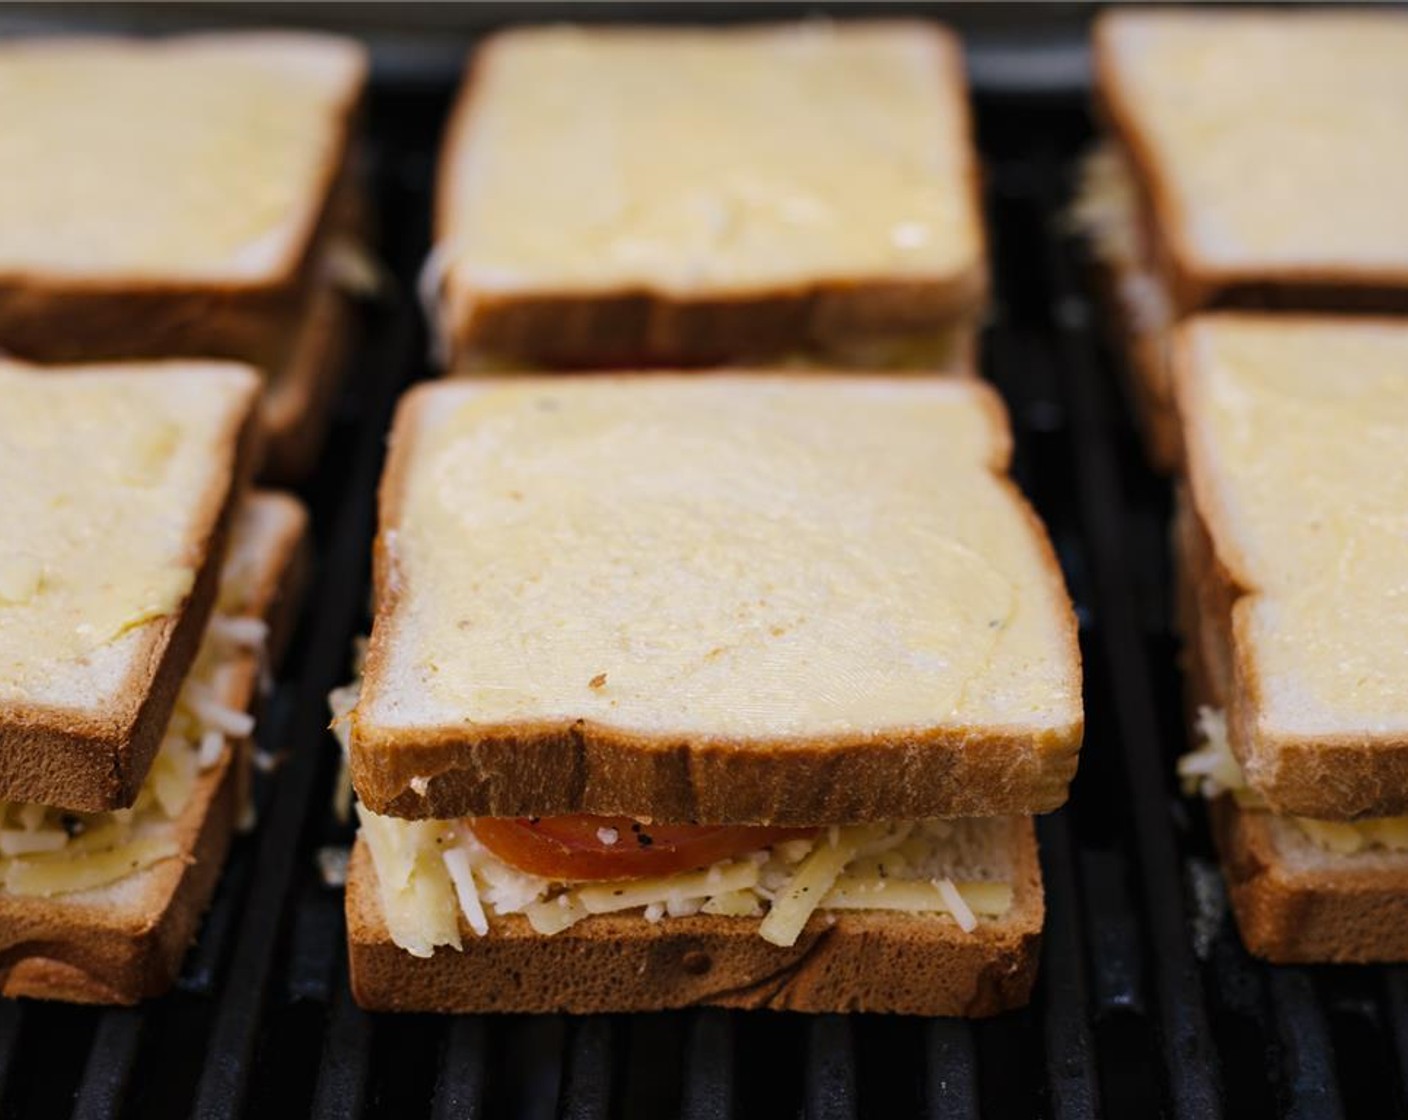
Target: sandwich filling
(45, 851)
(436, 876)
(1212, 770)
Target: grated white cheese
(457, 861)
(961, 911)
(607, 836)
(810, 874)
(1212, 770)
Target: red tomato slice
(570, 849)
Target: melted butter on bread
(1277, 137)
(199, 157)
(743, 558)
(708, 160)
(1296, 430)
(103, 476)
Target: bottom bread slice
(855, 960)
(123, 942)
(1297, 903)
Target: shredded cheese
(54, 852)
(1212, 770)
(423, 866)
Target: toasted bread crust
(1329, 777)
(553, 768)
(643, 327)
(864, 961)
(56, 758)
(1195, 283)
(95, 951)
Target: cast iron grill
(1146, 1005)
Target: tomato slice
(576, 848)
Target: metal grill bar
(1070, 1059)
(830, 1071)
(1193, 1073)
(1310, 1085)
(709, 1064)
(463, 1071)
(951, 1082)
(111, 1059)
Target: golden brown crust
(1329, 777)
(864, 961)
(94, 948)
(641, 327)
(1312, 908)
(53, 757)
(1195, 283)
(554, 768)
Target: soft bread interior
(123, 940)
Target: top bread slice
(628, 197)
(732, 598)
(1294, 429)
(1268, 148)
(173, 191)
(118, 483)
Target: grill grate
(1146, 1005)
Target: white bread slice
(175, 191)
(854, 960)
(118, 481)
(733, 598)
(198, 159)
(125, 941)
(1294, 900)
(650, 196)
(1268, 147)
(1294, 429)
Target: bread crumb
(598, 681)
(420, 785)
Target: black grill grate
(1146, 1005)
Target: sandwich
(1291, 548)
(733, 690)
(1250, 160)
(640, 197)
(132, 641)
(195, 196)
